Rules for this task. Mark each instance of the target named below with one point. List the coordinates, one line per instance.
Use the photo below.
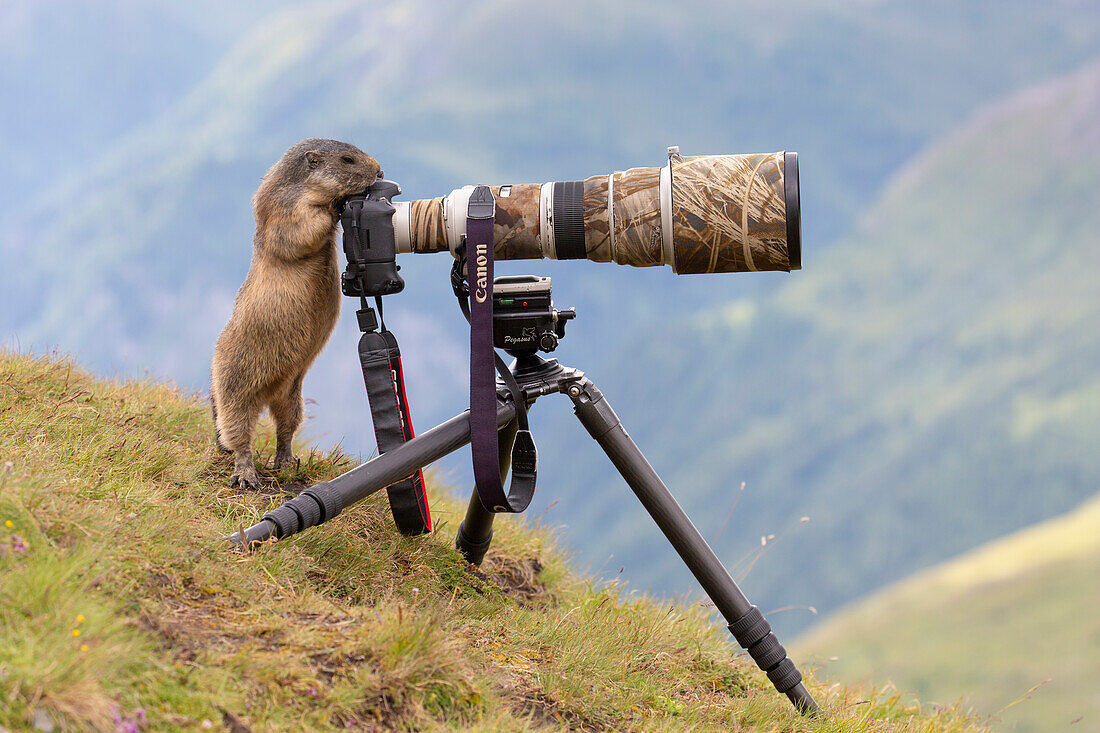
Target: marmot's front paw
(247, 480)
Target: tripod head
(524, 317)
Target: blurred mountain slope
(986, 627)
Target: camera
(524, 317)
(367, 220)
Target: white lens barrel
(402, 231)
(666, 217)
(454, 215)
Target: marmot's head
(329, 170)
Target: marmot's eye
(348, 159)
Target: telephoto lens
(702, 213)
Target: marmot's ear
(314, 158)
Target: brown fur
(289, 302)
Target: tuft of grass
(122, 607)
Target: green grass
(1011, 628)
(121, 604)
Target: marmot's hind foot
(285, 460)
(247, 480)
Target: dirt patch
(378, 709)
(518, 578)
(328, 662)
(544, 711)
(234, 724)
(189, 630)
(189, 619)
(382, 713)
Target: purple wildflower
(130, 725)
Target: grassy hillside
(928, 384)
(122, 608)
(1017, 613)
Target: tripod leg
(325, 500)
(746, 623)
(476, 531)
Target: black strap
(380, 358)
(485, 363)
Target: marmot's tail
(214, 414)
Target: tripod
(537, 377)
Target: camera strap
(485, 364)
(380, 358)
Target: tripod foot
(754, 634)
(472, 550)
(803, 700)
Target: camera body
(367, 220)
(524, 317)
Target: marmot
(287, 307)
